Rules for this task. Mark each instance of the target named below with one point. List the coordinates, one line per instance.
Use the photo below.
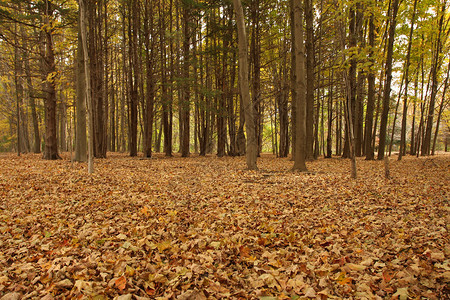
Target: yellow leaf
(164, 246)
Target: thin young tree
(88, 90)
(80, 126)
(405, 97)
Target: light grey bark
(88, 91)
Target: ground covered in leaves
(205, 228)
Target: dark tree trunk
(426, 144)
(330, 117)
(150, 81)
(31, 97)
(185, 105)
(230, 98)
(133, 76)
(310, 80)
(49, 73)
(387, 86)
(370, 155)
(255, 62)
(358, 115)
(351, 80)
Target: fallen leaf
(120, 283)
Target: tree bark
(88, 89)
(405, 98)
(49, 72)
(32, 102)
(387, 86)
(426, 144)
(310, 79)
(441, 108)
(300, 86)
(150, 81)
(252, 143)
(185, 105)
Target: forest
(211, 149)
(164, 77)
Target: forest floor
(206, 228)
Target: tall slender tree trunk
(87, 80)
(351, 80)
(394, 121)
(230, 95)
(185, 105)
(150, 81)
(133, 77)
(358, 115)
(300, 86)
(412, 150)
(330, 116)
(252, 143)
(32, 102)
(405, 97)
(255, 62)
(387, 86)
(19, 90)
(51, 144)
(166, 98)
(426, 144)
(293, 81)
(311, 119)
(441, 108)
(348, 117)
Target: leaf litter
(206, 228)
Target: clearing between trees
(203, 227)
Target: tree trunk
(252, 143)
(255, 62)
(293, 82)
(19, 91)
(230, 97)
(150, 81)
(300, 86)
(133, 77)
(330, 117)
(358, 116)
(348, 104)
(49, 72)
(185, 105)
(32, 102)
(441, 108)
(387, 86)
(88, 89)
(405, 98)
(351, 81)
(166, 98)
(426, 144)
(310, 80)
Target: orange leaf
(244, 251)
(121, 282)
(387, 276)
(144, 211)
